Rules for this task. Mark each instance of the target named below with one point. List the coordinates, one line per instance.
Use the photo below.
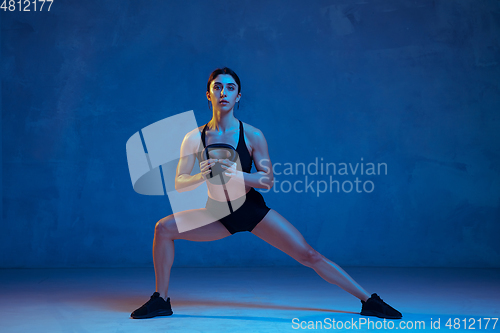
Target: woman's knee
(309, 257)
(166, 227)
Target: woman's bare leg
(165, 234)
(277, 231)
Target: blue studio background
(412, 84)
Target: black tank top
(241, 149)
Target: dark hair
(224, 70)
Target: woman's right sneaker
(375, 306)
(156, 306)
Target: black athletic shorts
(246, 217)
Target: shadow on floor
(130, 303)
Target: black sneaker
(375, 306)
(156, 306)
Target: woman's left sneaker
(156, 306)
(375, 306)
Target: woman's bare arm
(184, 181)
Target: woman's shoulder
(193, 137)
(195, 133)
(252, 132)
(254, 138)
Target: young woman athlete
(223, 92)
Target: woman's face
(223, 93)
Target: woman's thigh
(277, 231)
(208, 228)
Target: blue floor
(264, 299)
